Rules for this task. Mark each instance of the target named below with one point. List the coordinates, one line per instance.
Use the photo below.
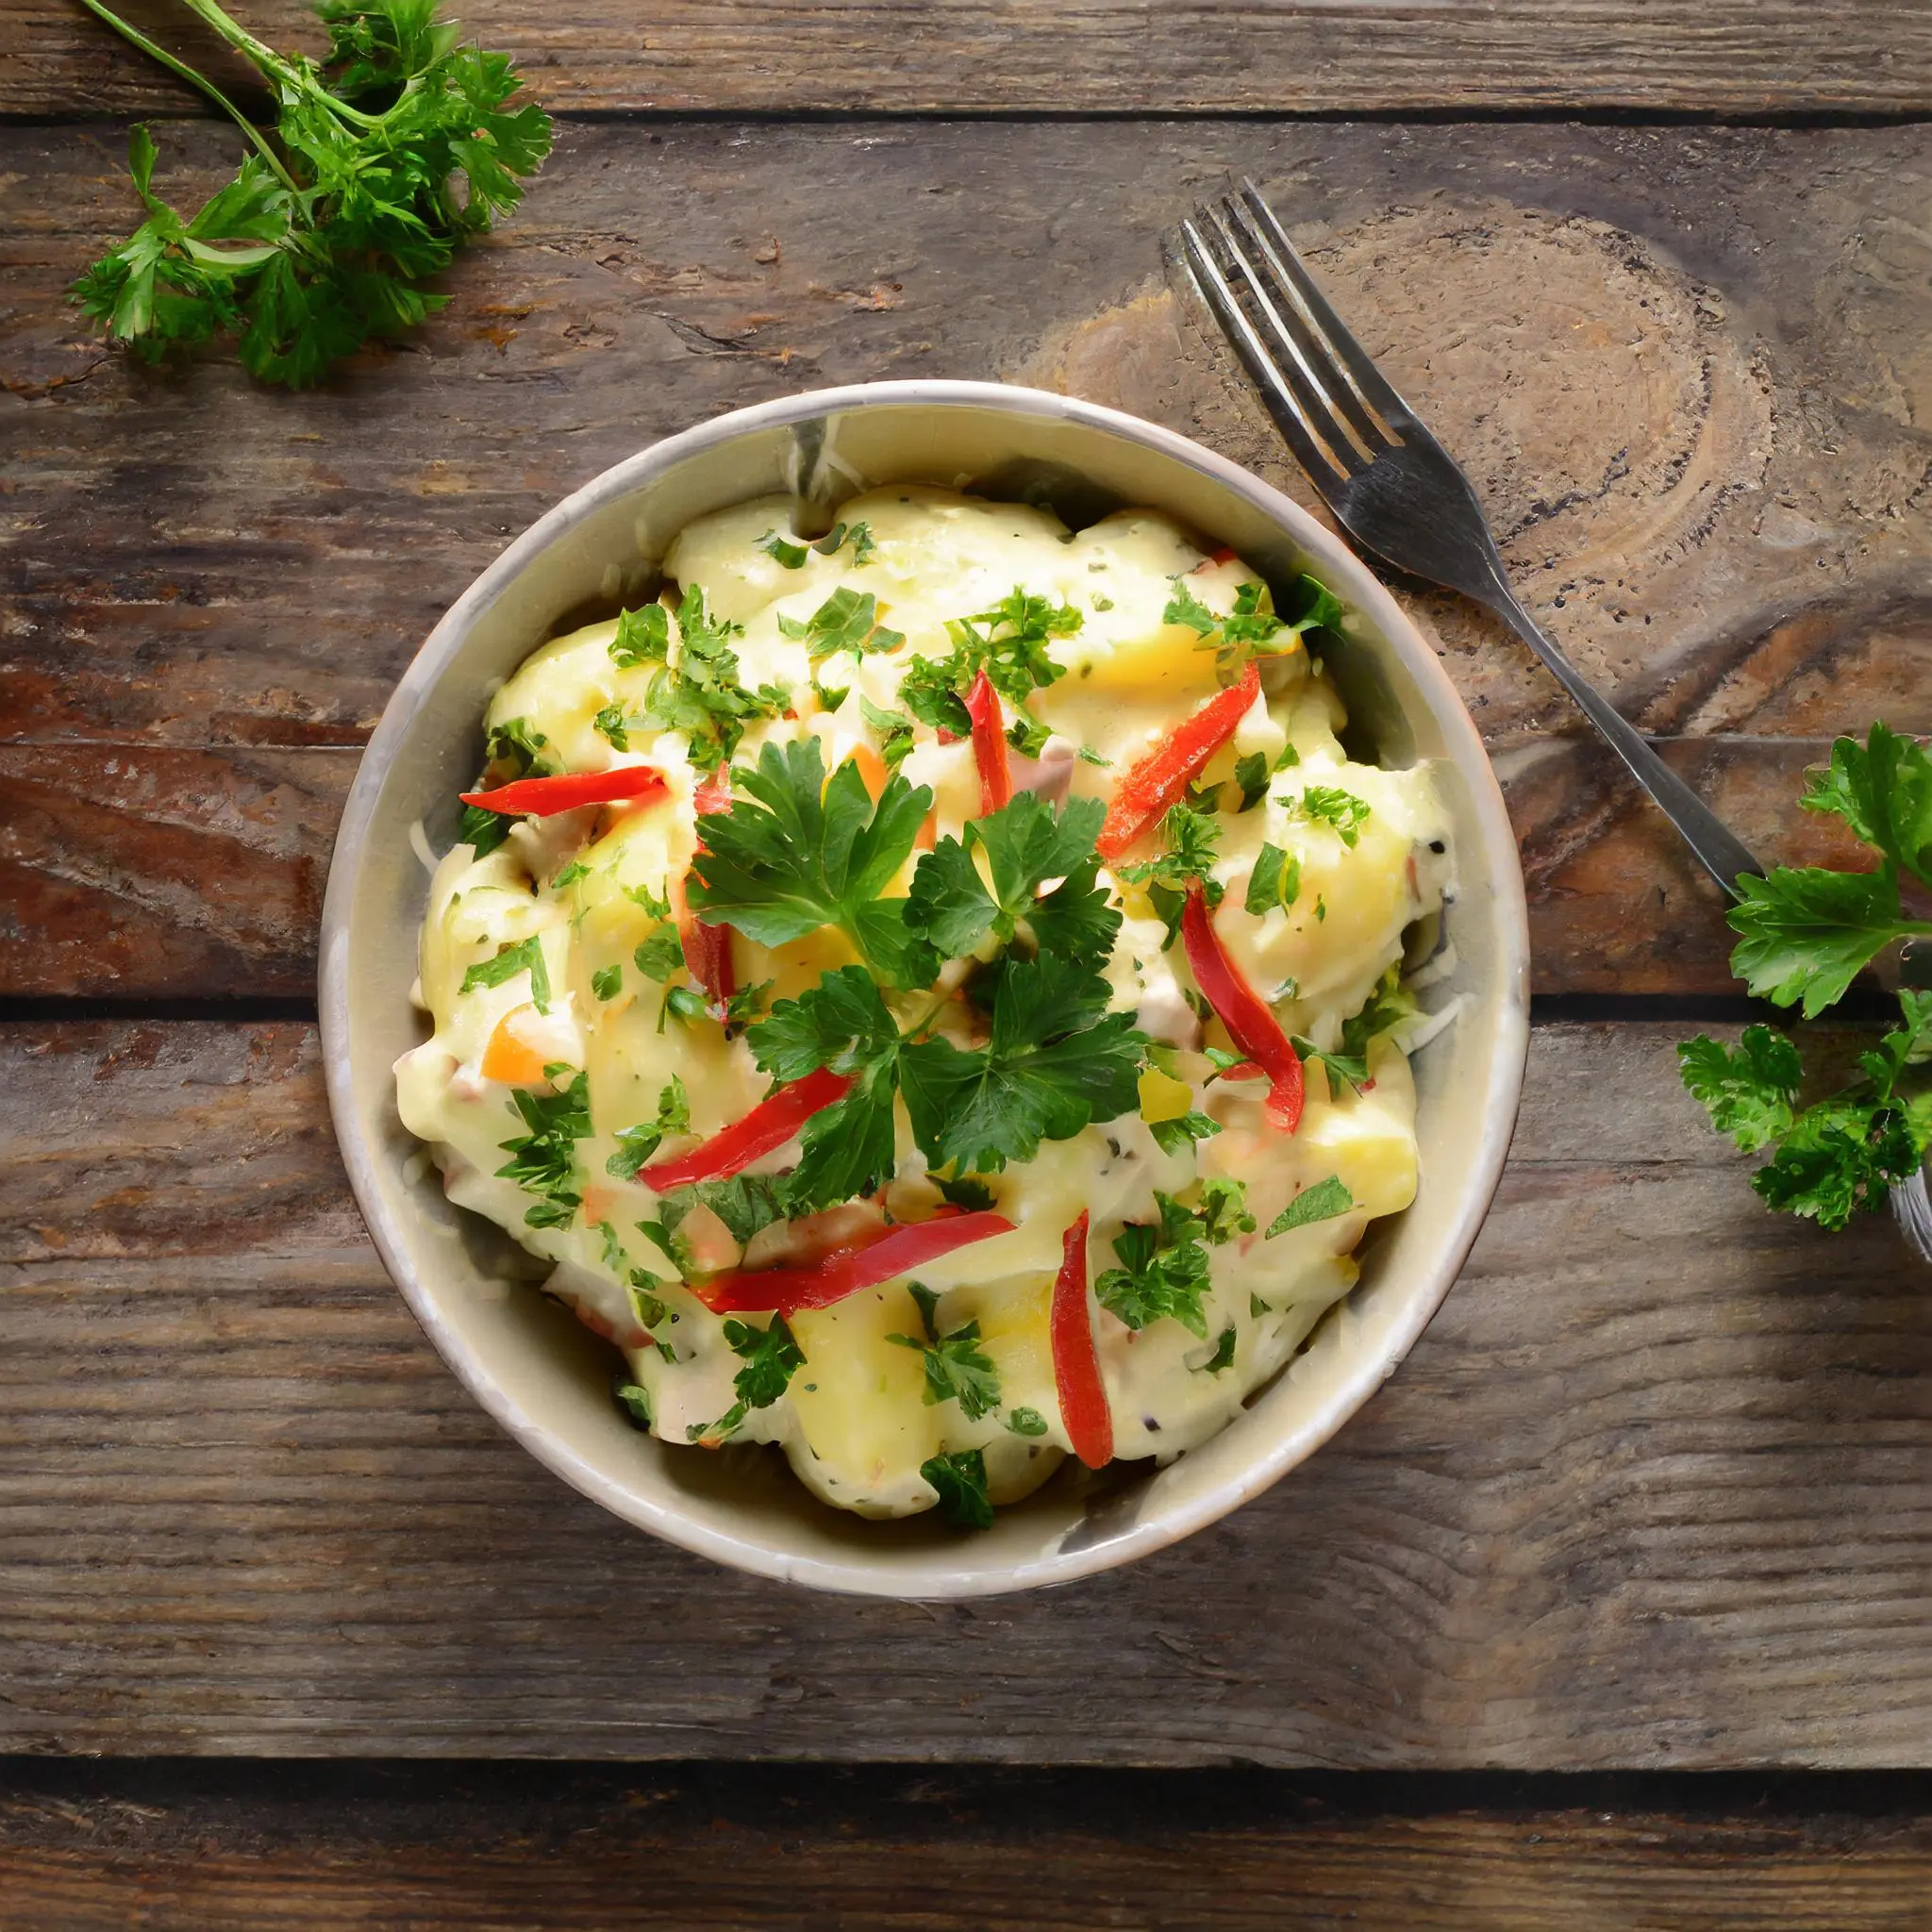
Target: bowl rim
(942, 1574)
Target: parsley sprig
(544, 1161)
(793, 854)
(1055, 1062)
(338, 214)
(957, 1369)
(1803, 934)
(771, 1356)
(1164, 1263)
(1027, 845)
(1253, 628)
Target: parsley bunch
(1803, 934)
(385, 157)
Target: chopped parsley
(544, 1161)
(1190, 837)
(517, 744)
(1178, 1136)
(700, 693)
(1164, 1269)
(956, 1369)
(794, 555)
(1251, 774)
(1277, 881)
(1027, 735)
(1328, 805)
(636, 1145)
(783, 551)
(612, 725)
(660, 955)
(482, 830)
(771, 1356)
(607, 981)
(1026, 1422)
(1322, 1202)
(525, 956)
(958, 1480)
(634, 1401)
(848, 620)
(1253, 628)
(1344, 1069)
(745, 1202)
(973, 1195)
(1223, 1357)
(894, 731)
(1008, 642)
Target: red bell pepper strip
(989, 745)
(541, 797)
(785, 1290)
(1156, 780)
(1076, 1362)
(1250, 1024)
(707, 953)
(707, 947)
(769, 1124)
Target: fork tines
(1327, 398)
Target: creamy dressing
(854, 1420)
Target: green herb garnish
(335, 219)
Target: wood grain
(206, 1848)
(1686, 368)
(1655, 1489)
(1108, 57)
(153, 872)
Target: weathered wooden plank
(1686, 368)
(1683, 366)
(153, 872)
(211, 1847)
(896, 56)
(1653, 1490)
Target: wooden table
(1652, 1496)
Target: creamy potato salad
(930, 989)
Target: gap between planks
(222, 1844)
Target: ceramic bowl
(546, 1380)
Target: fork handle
(1721, 853)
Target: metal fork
(1393, 487)
(1400, 493)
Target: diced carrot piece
(509, 1057)
(872, 768)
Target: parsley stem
(243, 41)
(135, 36)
